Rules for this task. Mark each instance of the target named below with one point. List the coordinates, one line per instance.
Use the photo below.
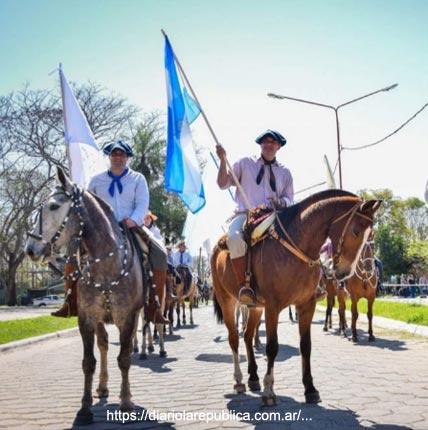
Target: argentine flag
(182, 173)
(85, 158)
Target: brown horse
(111, 281)
(361, 285)
(330, 284)
(286, 271)
(181, 296)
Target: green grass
(30, 327)
(408, 312)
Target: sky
(235, 53)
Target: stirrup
(247, 297)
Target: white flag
(330, 178)
(86, 159)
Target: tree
(402, 231)
(32, 143)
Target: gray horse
(110, 284)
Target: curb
(387, 323)
(36, 339)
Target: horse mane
(289, 215)
(104, 209)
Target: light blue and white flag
(85, 158)
(182, 172)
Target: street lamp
(336, 111)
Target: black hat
(108, 149)
(274, 134)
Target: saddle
(258, 222)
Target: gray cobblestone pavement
(380, 385)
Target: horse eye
(53, 207)
(356, 231)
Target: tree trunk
(11, 277)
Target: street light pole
(336, 112)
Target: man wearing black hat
(127, 193)
(265, 182)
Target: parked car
(48, 300)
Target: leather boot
(246, 294)
(159, 279)
(69, 308)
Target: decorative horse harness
(74, 248)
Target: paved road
(21, 312)
(381, 385)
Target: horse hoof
(324, 329)
(127, 406)
(354, 339)
(102, 392)
(254, 385)
(239, 388)
(151, 348)
(269, 400)
(313, 397)
(83, 418)
(135, 350)
(143, 356)
(163, 354)
(372, 338)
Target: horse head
(349, 233)
(53, 226)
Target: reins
(295, 250)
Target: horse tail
(217, 310)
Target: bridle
(293, 248)
(351, 212)
(76, 205)
(361, 273)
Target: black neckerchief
(261, 173)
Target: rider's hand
(278, 203)
(130, 222)
(221, 152)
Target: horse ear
(371, 206)
(63, 179)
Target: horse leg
(330, 322)
(102, 341)
(178, 313)
(124, 362)
(271, 320)
(370, 302)
(354, 309)
(135, 336)
(87, 332)
(257, 343)
(306, 313)
(250, 331)
(151, 347)
(191, 303)
(184, 311)
(327, 322)
(342, 312)
(171, 319)
(161, 330)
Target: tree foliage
(401, 233)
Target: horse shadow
(380, 342)
(153, 362)
(288, 413)
(108, 415)
(185, 326)
(220, 358)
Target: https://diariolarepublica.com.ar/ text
(207, 417)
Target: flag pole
(64, 117)
(235, 179)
